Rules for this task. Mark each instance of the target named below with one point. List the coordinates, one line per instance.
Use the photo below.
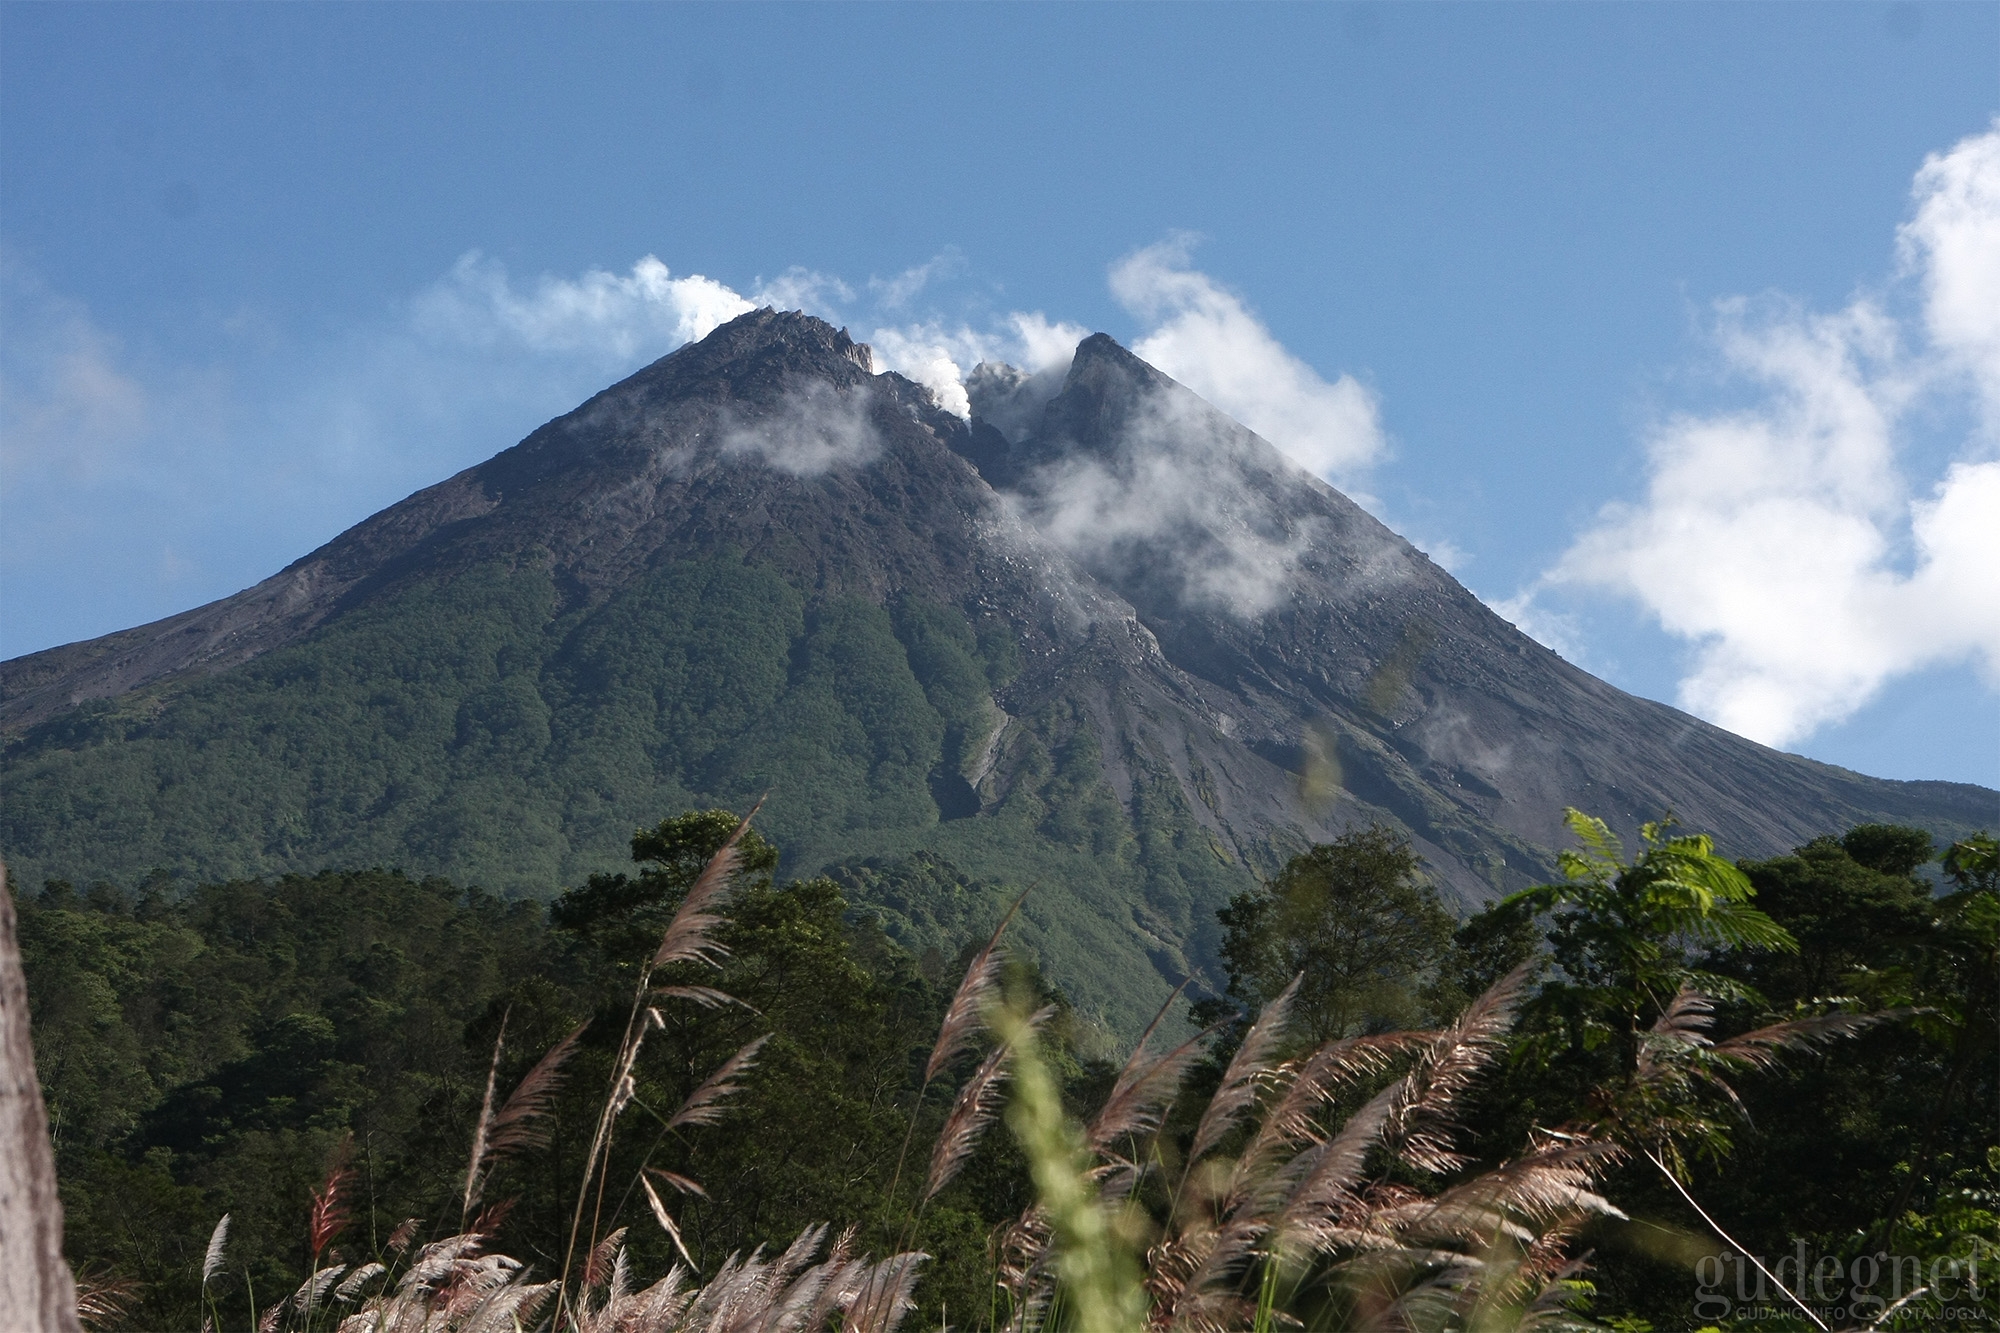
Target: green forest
(469, 726)
(696, 1090)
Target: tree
(1622, 935)
(670, 854)
(1846, 911)
(1355, 920)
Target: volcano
(1098, 638)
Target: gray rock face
(1215, 613)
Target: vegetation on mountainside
(471, 728)
(1885, 1143)
(213, 1050)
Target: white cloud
(1781, 539)
(1205, 337)
(1445, 553)
(897, 292)
(115, 462)
(800, 288)
(940, 356)
(68, 407)
(136, 484)
(814, 429)
(1040, 343)
(599, 313)
(931, 356)
(1553, 629)
(1180, 501)
(1953, 241)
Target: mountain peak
(1131, 650)
(1106, 404)
(794, 331)
(758, 345)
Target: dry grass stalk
(597, 1268)
(211, 1261)
(1676, 1059)
(102, 1298)
(1143, 1088)
(452, 1288)
(1425, 1119)
(686, 939)
(666, 1221)
(1252, 1061)
(678, 1181)
(977, 1104)
(789, 1293)
(406, 1231)
(521, 1122)
(313, 1289)
(331, 1211)
(359, 1278)
(687, 936)
(965, 1017)
(704, 1105)
(1313, 1197)
(483, 1126)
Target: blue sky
(266, 269)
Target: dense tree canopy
(1358, 925)
(215, 1049)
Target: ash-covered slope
(1100, 638)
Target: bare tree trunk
(36, 1291)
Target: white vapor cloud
(1182, 502)
(941, 357)
(71, 411)
(1205, 337)
(814, 429)
(799, 288)
(897, 292)
(137, 482)
(648, 310)
(1782, 538)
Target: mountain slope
(1101, 639)
(1337, 643)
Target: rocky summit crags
(1100, 638)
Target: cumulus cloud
(1953, 241)
(814, 429)
(1782, 538)
(1207, 338)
